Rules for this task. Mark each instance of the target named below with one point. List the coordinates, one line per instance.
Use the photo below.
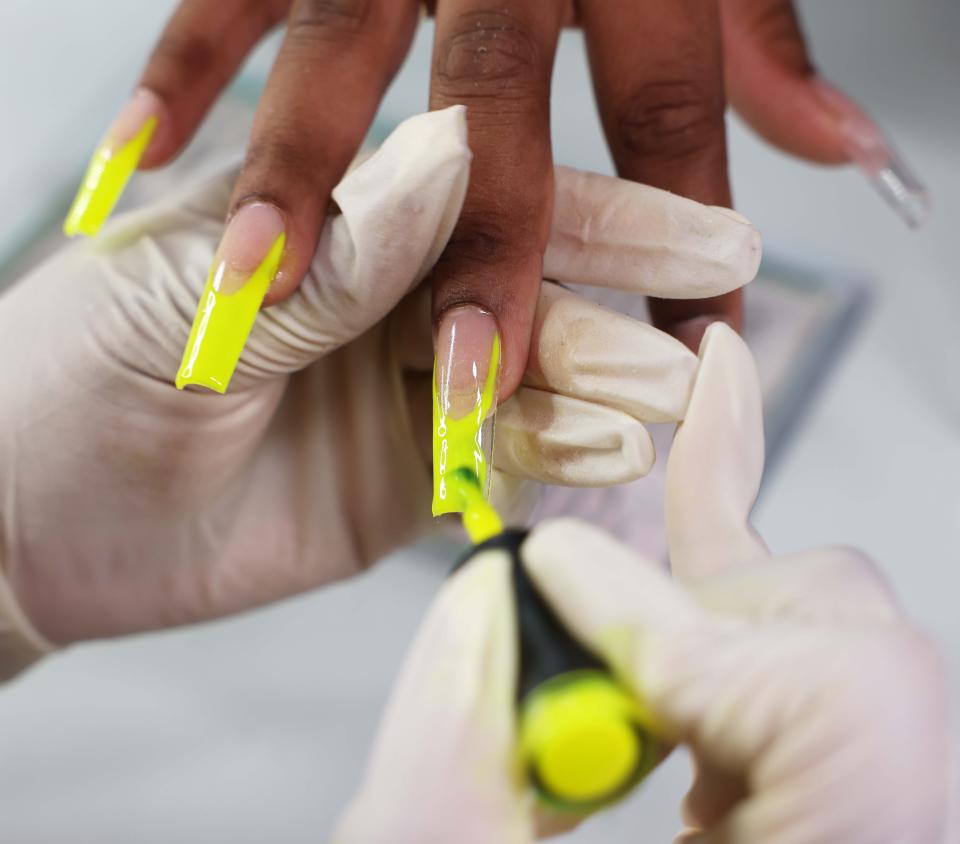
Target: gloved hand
(815, 712)
(127, 505)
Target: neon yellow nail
(107, 175)
(223, 322)
(465, 441)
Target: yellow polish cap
(583, 739)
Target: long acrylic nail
(465, 392)
(244, 267)
(876, 156)
(113, 163)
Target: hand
(814, 711)
(662, 108)
(128, 505)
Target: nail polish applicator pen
(585, 741)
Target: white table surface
(254, 728)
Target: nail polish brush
(585, 741)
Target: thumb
(716, 463)
(393, 215)
(616, 603)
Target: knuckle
(670, 119)
(487, 52)
(276, 156)
(485, 244)
(192, 54)
(489, 240)
(325, 20)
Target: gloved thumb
(619, 606)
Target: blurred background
(256, 728)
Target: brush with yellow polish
(584, 740)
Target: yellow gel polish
(464, 441)
(223, 322)
(107, 175)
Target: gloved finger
(552, 439)
(586, 351)
(662, 108)
(583, 351)
(802, 714)
(716, 463)
(617, 604)
(414, 184)
(560, 440)
(610, 232)
(838, 585)
(443, 767)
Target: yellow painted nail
(465, 385)
(112, 165)
(232, 298)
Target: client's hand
(127, 505)
(814, 711)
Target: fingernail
(465, 392)
(876, 156)
(244, 267)
(113, 163)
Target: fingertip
(571, 534)
(789, 112)
(693, 332)
(770, 80)
(721, 332)
(605, 593)
(512, 313)
(560, 553)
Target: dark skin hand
(661, 85)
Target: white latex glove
(815, 712)
(125, 505)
